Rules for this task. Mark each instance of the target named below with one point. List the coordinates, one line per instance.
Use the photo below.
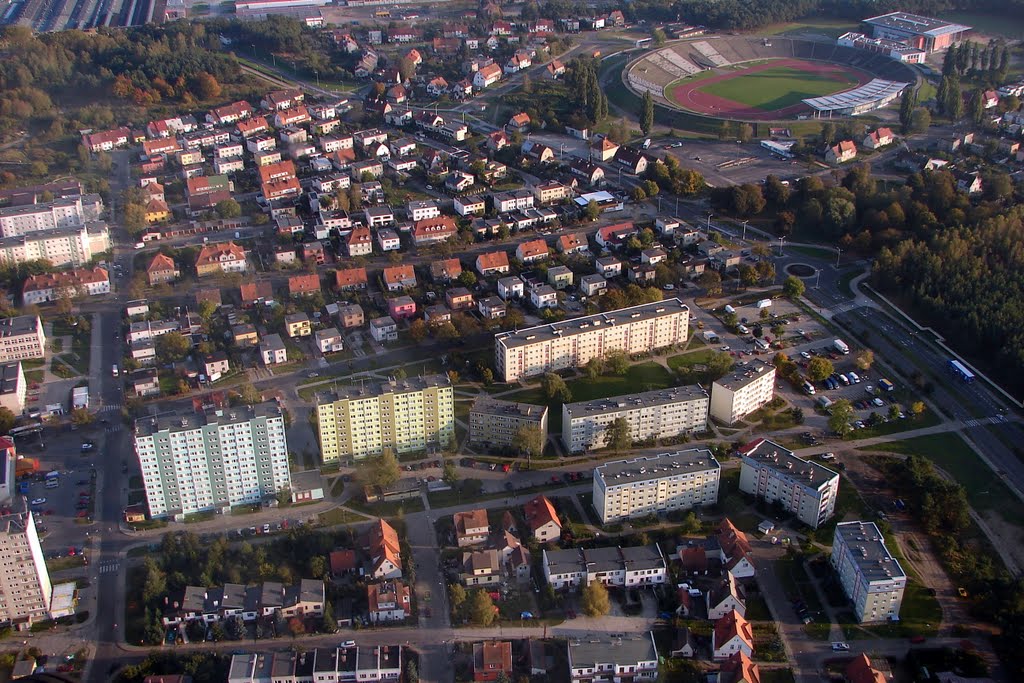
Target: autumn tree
(840, 417)
(793, 287)
(865, 359)
(594, 600)
(382, 470)
(205, 86)
(480, 609)
(819, 368)
(618, 435)
(530, 440)
(555, 387)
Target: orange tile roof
(492, 259)
(281, 169)
(350, 277)
(304, 284)
(741, 669)
(533, 248)
(573, 241)
(539, 512)
(64, 278)
(471, 519)
(382, 543)
(732, 625)
(359, 235)
(211, 253)
(396, 274)
(160, 262)
(861, 671)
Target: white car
(828, 456)
(840, 647)
(348, 643)
(805, 355)
(725, 348)
(38, 501)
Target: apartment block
(212, 460)
(21, 337)
(804, 488)
(66, 212)
(65, 246)
(367, 664)
(871, 577)
(740, 393)
(601, 658)
(651, 415)
(402, 415)
(25, 588)
(13, 389)
(493, 422)
(653, 484)
(633, 566)
(570, 344)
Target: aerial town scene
(673, 341)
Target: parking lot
(726, 163)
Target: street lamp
(709, 223)
(744, 238)
(838, 254)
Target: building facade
(25, 588)
(402, 415)
(651, 415)
(212, 460)
(740, 393)
(570, 344)
(604, 659)
(21, 337)
(871, 577)
(493, 422)
(804, 488)
(653, 484)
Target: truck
(79, 398)
(886, 385)
(840, 346)
(764, 303)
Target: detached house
(350, 278)
(487, 76)
(879, 138)
(272, 350)
(162, 270)
(227, 257)
(492, 263)
(542, 519)
(397, 278)
(359, 242)
(304, 285)
(388, 601)
(576, 243)
(471, 527)
(532, 251)
(726, 597)
(517, 62)
(445, 270)
(842, 152)
(732, 633)
(519, 122)
(381, 544)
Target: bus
(961, 371)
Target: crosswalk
(979, 422)
(110, 567)
(110, 407)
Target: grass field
(1005, 24)
(778, 87)
(832, 28)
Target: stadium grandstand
(874, 94)
(891, 48)
(925, 33)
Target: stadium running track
(687, 96)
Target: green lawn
(1004, 24)
(779, 87)
(688, 360)
(985, 489)
(829, 27)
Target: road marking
(109, 567)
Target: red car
(917, 640)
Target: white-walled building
(570, 344)
(601, 658)
(654, 414)
(21, 337)
(742, 391)
(870, 576)
(211, 461)
(25, 588)
(653, 484)
(632, 566)
(804, 488)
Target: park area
(768, 89)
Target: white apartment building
(368, 664)
(804, 488)
(66, 246)
(21, 337)
(571, 343)
(632, 566)
(67, 212)
(25, 589)
(743, 391)
(870, 576)
(653, 484)
(600, 658)
(496, 423)
(13, 388)
(211, 461)
(651, 415)
(403, 415)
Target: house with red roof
(542, 519)
(739, 669)
(841, 152)
(304, 285)
(162, 270)
(350, 278)
(732, 633)
(614, 235)
(860, 670)
(432, 230)
(381, 544)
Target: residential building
(322, 665)
(388, 240)
(65, 246)
(270, 598)
(861, 670)
(843, 151)
(550, 192)
(632, 566)
(559, 277)
(382, 547)
(64, 284)
(359, 242)
(593, 285)
(880, 137)
(298, 325)
(492, 308)
(403, 415)
(803, 488)
(492, 658)
(481, 567)
(544, 296)
(608, 266)
(401, 307)
(226, 257)
(272, 350)
(245, 336)
(471, 528)
(511, 287)
(459, 299)
(104, 141)
(350, 278)
(162, 270)
(492, 263)
(329, 340)
(397, 278)
(871, 577)
(470, 205)
(21, 337)
(542, 519)
(422, 209)
(445, 270)
(216, 365)
(495, 423)
(572, 343)
(576, 243)
(742, 391)
(432, 230)
(212, 460)
(13, 388)
(725, 597)
(655, 484)
(487, 76)
(739, 668)
(656, 414)
(25, 588)
(731, 634)
(384, 329)
(388, 601)
(350, 315)
(601, 658)
(303, 285)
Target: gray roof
(744, 375)
(867, 548)
(764, 453)
(642, 557)
(591, 650)
(656, 467)
(397, 386)
(9, 375)
(493, 406)
(916, 24)
(594, 278)
(602, 559)
(272, 342)
(564, 561)
(647, 399)
(177, 421)
(22, 324)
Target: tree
(976, 106)
(134, 218)
(555, 387)
(841, 415)
(617, 362)
(296, 627)
(172, 347)
(917, 407)
(865, 359)
(819, 368)
(618, 435)
(793, 287)
(80, 417)
(330, 624)
(530, 441)
(457, 597)
(228, 208)
(382, 470)
(828, 133)
(467, 278)
(920, 120)
(527, 86)
(449, 474)
(418, 330)
(205, 86)
(7, 420)
(248, 394)
(592, 212)
(594, 600)
(711, 281)
(412, 674)
(745, 132)
(480, 608)
(595, 367)
(647, 113)
(907, 104)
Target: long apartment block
(871, 577)
(405, 415)
(212, 460)
(25, 588)
(571, 343)
(657, 414)
(654, 484)
(493, 422)
(774, 474)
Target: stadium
(753, 79)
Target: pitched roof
(343, 561)
(387, 592)
(533, 248)
(471, 519)
(492, 259)
(359, 235)
(254, 291)
(64, 278)
(732, 625)
(861, 671)
(382, 543)
(433, 226)
(396, 274)
(732, 541)
(573, 241)
(160, 263)
(492, 656)
(350, 277)
(304, 284)
(215, 253)
(740, 669)
(520, 119)
(539, 512)
(450, 268)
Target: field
(1006, 25)
(768, 89)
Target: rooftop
(178, 421)
(22, 324)
(541, 333)
(647, 399)
(492, 406)
(916, 24)
(656, 466)
(764, 453)
(867, 548)
(742, 376)
(591, 650)
(395, 386)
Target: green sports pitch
(778, 87)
